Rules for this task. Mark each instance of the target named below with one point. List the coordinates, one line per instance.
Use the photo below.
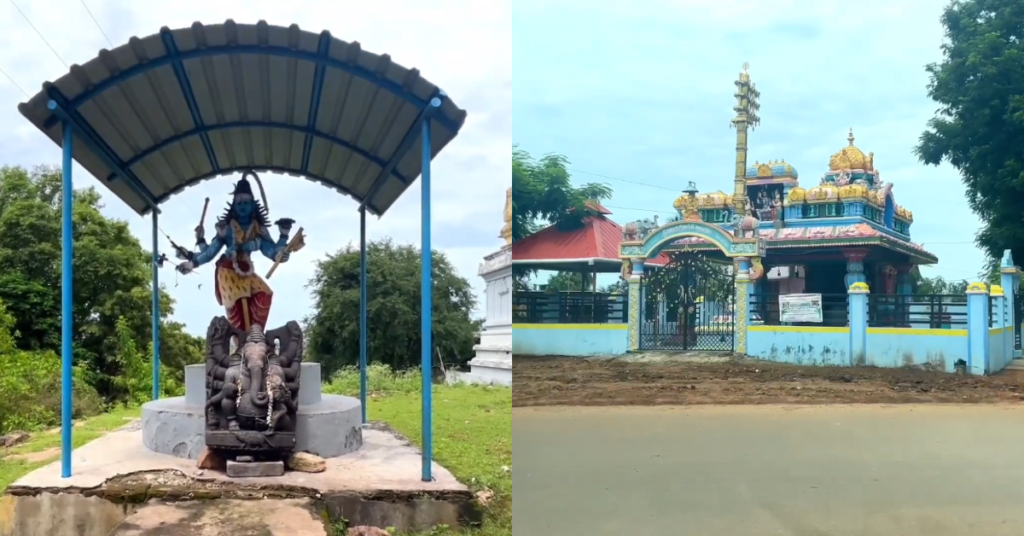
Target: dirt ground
(554, 381)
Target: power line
(40, 34)
(9, 77)
(638, 183)
(97, 23)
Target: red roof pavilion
(594, 247)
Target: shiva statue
(252, 374)
(242, 231)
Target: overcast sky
(643, 92)
(463, 46)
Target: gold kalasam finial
(506, 230)
(850, 137)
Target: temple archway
(693, 323)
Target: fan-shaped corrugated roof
(164, 112)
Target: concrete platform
(378, 485)
(328, 425)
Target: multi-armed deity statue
(252, 375)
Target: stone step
(271, 517)
(1016, 364)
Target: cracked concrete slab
(385, 462)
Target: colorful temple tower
(846, 229)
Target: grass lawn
(44, 447)
(472, 436)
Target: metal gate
(1018, 317)
(688, 305)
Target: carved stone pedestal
(327, 425)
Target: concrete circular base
(328, 425)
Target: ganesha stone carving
(252, 381)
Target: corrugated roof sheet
(184, 105)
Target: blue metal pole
(426, 305)
(156, 311)
(66, 301)
(362, 310)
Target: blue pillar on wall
(858, 311)
(1000, 354)
(977, 328)
(1009, 279)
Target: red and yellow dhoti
(246, 298)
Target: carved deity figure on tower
(242, 231)
(506, 230)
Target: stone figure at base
(252, 393)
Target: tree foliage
(112, 282)
(393, 309)
(979, 126)
(543, 193)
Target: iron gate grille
(1018, 315)
(688, 305)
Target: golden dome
(823, 193)
(905, 214)
(851, 157)
(853, 191)
(713, 199)
(797, 195)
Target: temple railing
(764, 310)
(928, 311)
(569, 307)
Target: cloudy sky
(642, 93)
(463, 46)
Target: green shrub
(379, 378)
(136, 378)
(30, 391)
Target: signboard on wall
(800, 308)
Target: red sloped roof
(597, 239)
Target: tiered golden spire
(850, 157)
(746, 109)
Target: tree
(979, 126)
(393, 309)
(565, 281)
(112, 277)
(542, 192)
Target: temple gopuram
(847, 228)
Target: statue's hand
(186, 267)
(200, 233)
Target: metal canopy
(167, 111)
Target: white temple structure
(492, 363)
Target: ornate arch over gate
(745, 251)
(731, 246)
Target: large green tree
(393, 309)
(112, 276)
(979, 126)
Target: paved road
(755, 470)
